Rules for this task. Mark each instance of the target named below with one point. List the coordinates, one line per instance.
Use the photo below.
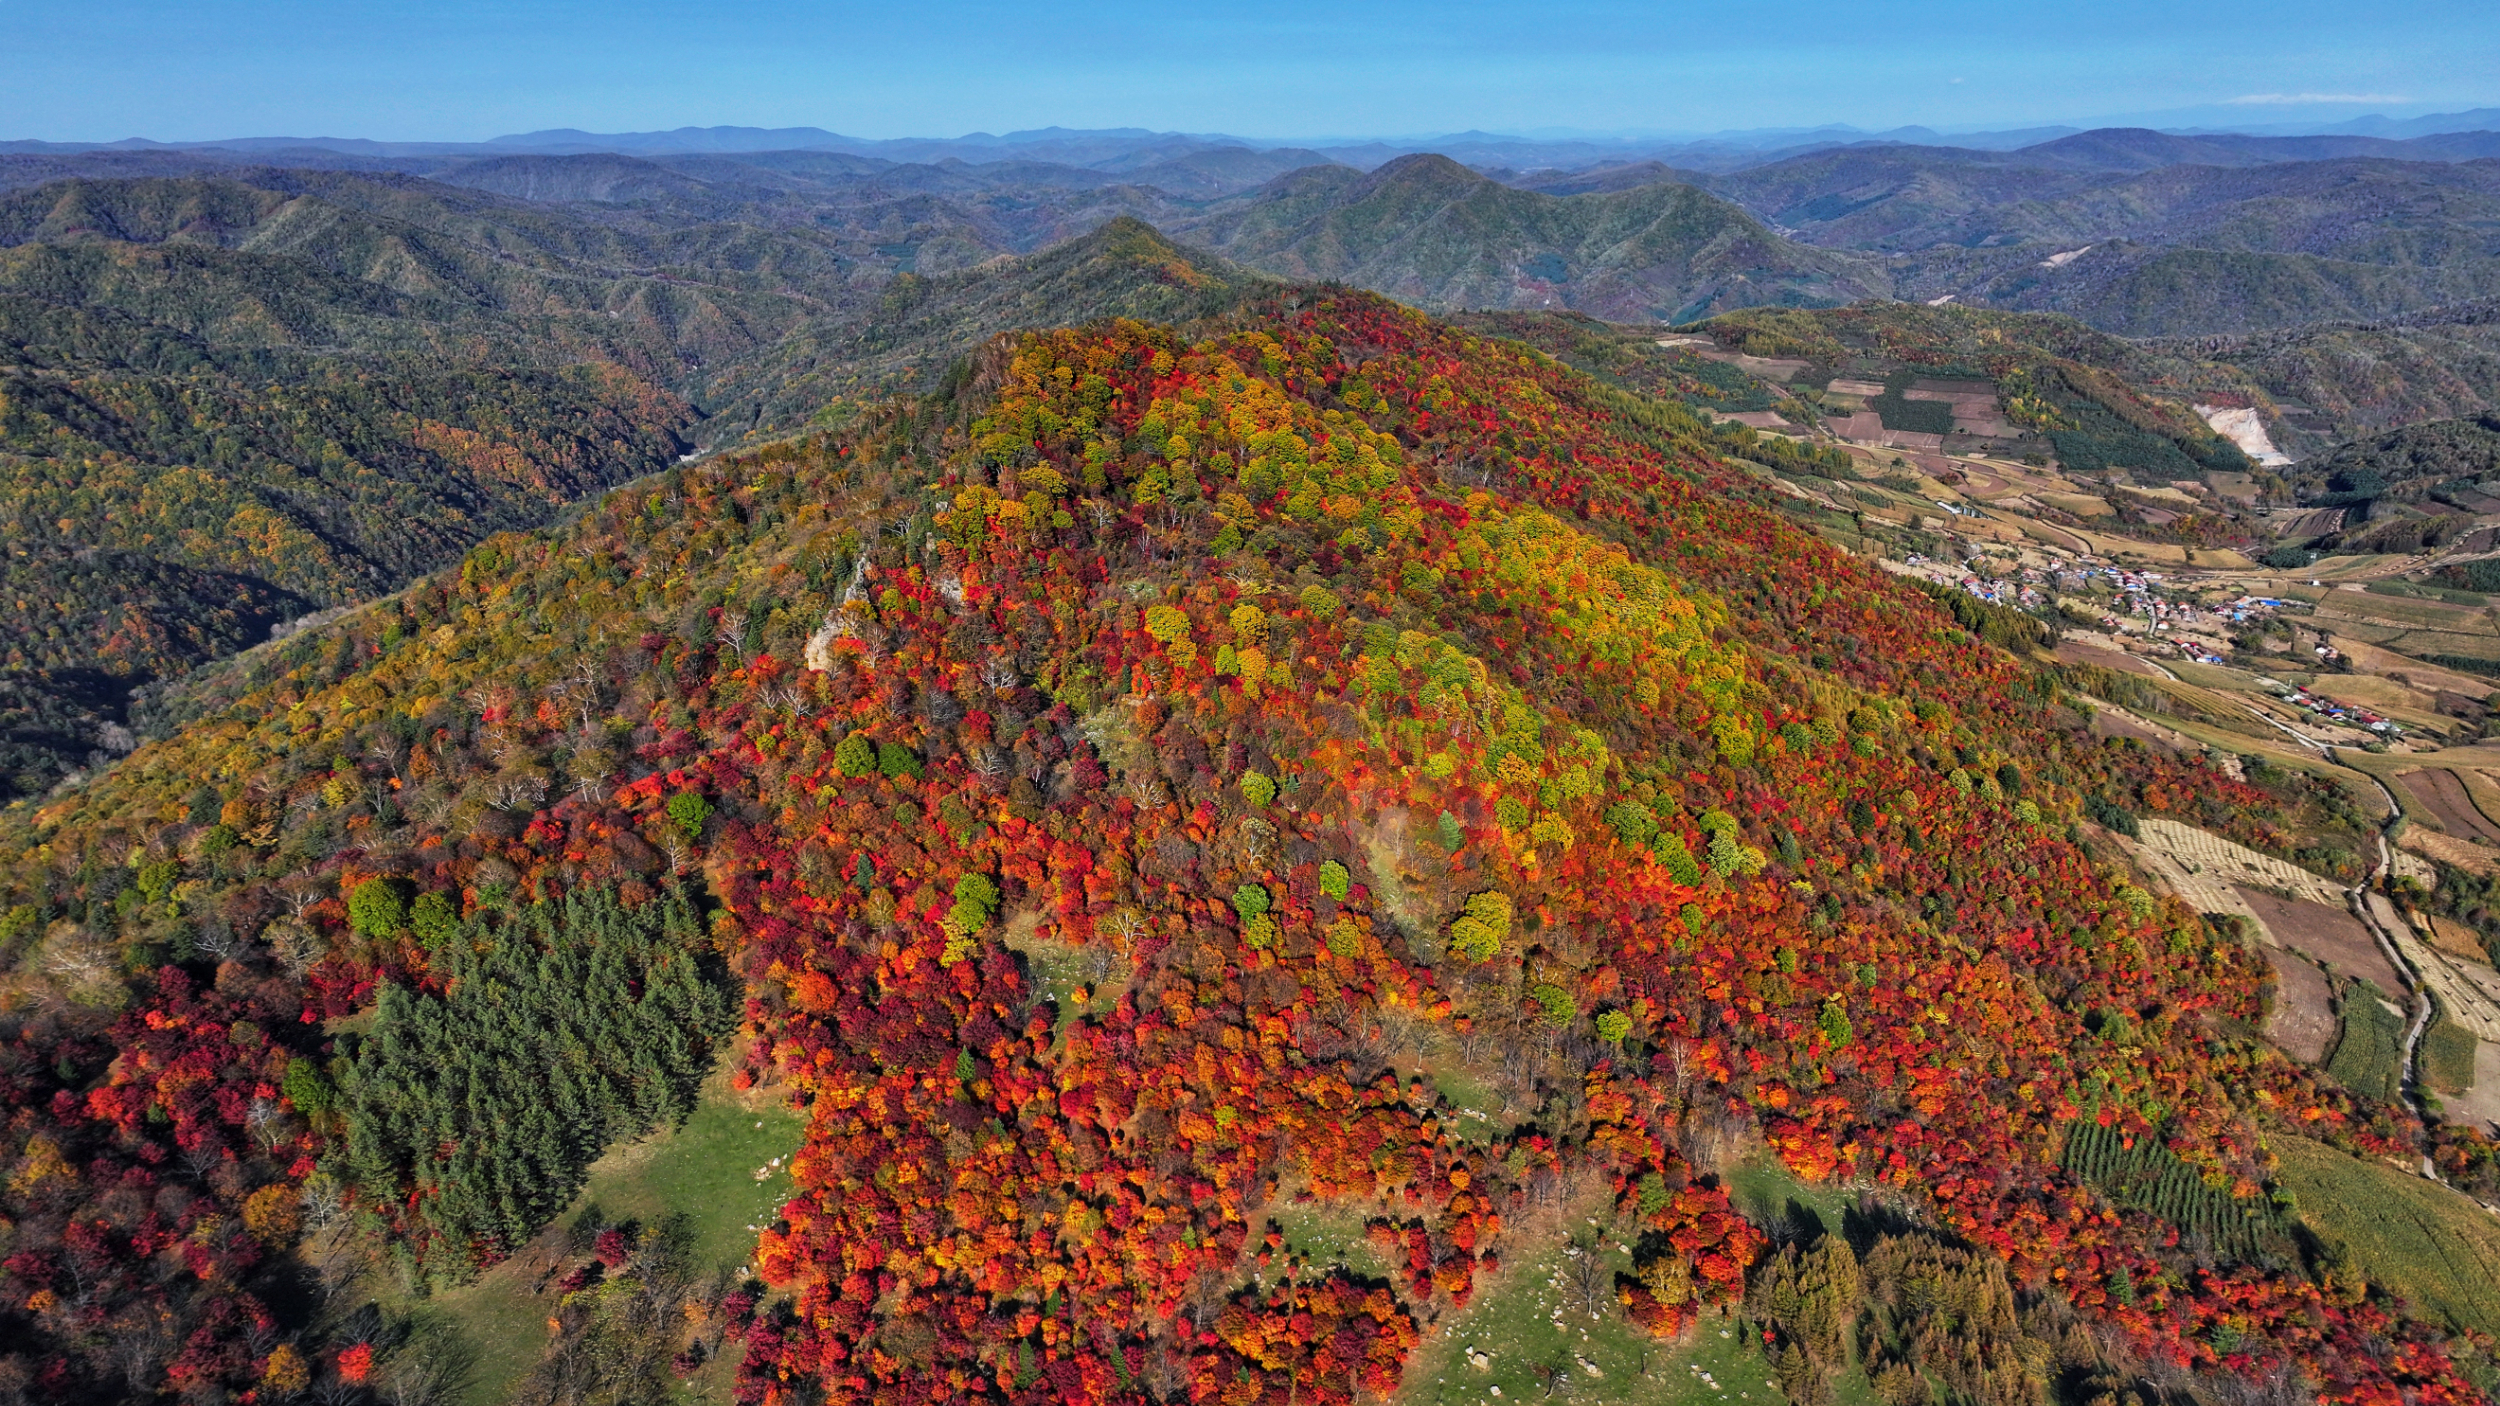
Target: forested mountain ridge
(2343, 379)
(2134, 232)
(1430, 232)
(346, 262)
(1119, 775)
(1907, 200)
(305, 391)
(2176, 249)
(918, 326)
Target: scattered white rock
(1590, 1367)
(2243, 426)
(1479, 1359)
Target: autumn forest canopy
(1135, 790)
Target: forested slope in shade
(166, 502)
(2414, 462)
(918, 326)
(262, 260)
(1275, 697)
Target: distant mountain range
(2141, 232)
(1132, 147)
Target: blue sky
(469, 69)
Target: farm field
(2330, 934)
(2372, 607)
(2368, 1057)
(2418, 1238)
(2480, 1105)
(2323, 1014)
(2113, 722)
(2449, 850)
(2074, 651)
(2302, 1023)
(2208, 866)
(2444, 795)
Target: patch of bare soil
(2440, 792)
(2109, 722)
(2076, 652)
(2456, 939)
(2302, 1024)
(2331, 935)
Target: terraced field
(2203, 867)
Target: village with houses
(2229, 615)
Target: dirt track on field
(2442, 793)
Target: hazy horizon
(2191, 120)
(456, 71)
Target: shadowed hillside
(919, 325)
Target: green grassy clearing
(494, 1330)
(1762, 1189)
(703, 1171)
(1323, 1235)
(1531, 1326)
(1532, 1323)
(1475, 1109)
(2433, 1246)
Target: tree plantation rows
(558, 1029)
(2142, 1174)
